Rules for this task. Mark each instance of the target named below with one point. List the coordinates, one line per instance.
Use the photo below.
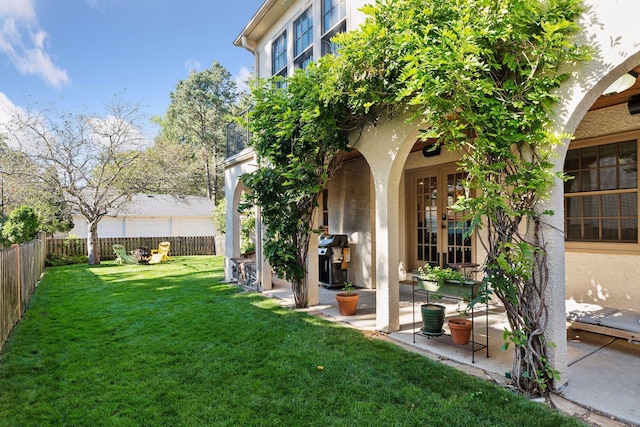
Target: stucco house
(593, 247)
(154, 215)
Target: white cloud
(241, 79)
(8, 111)
(24, 42)
(192, 65)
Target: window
(325, 211)
(303, 33)
(601, 199)
(334, 14)
(333, 11)
(279, 56)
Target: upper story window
(334, 13)
(601, 201)
(279, 55)
(303, 34)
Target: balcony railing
(237, 135)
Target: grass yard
(170, 344)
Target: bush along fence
(180, 246)
(20, 269)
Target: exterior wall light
(623, 83)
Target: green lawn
(170, 345)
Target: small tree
(21, 226)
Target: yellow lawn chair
(161, 254)
(122, 257)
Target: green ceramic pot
(432, 318)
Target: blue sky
(78, 54)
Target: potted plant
(432, 319)
(460, 330)
(347, 300)
(436, 277)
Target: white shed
(154, 215)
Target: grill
(333, 260)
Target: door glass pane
(426, 210)
(459, 246)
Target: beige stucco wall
(604, 279)
(600, 276)
(350, 213)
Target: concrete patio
(603, 374)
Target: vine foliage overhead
(479, 77)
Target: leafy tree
(20, 185)
(53, 211)
(197, 115)
(220, 216)
(168, 167)
(21, 226)
(298, 138)
(85, 158)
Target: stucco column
(232, 232)
(313, 280)
(555, 292)
(387, 255)
(386, 149)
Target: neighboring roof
(165, 205)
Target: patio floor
(603, 375)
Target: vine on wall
(479, 77)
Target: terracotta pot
(460, 330)
(347, 303)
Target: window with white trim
(279, 55)
(601, 199)
(303, 35)
(334, 13)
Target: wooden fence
(20, 269)
(203, 245)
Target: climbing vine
(479, 77)
(298, 140)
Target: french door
(437, 234)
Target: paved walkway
(603, 385)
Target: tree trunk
(93, 249)
(300, 294)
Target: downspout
(251, 46)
